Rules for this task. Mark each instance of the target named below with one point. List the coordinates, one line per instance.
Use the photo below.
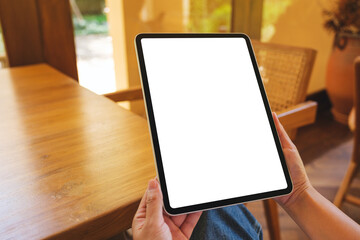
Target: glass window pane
(93, 46)
(3, 60)
(209, 16)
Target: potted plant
(344, 21)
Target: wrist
(298, 197)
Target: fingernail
(152, 184)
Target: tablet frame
(154, 136)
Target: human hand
(295, 166)
(152, 222)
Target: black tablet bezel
(154, 136)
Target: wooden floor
(325, 148)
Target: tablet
(213, 136)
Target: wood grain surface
(73, 164)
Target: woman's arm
(316, 216)
(319, 218)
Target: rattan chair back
(285, 72)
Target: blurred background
(104, 32)
(105, 29)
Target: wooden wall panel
(58, 35)
(21, 32)
(37, 31)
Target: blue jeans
(233, 222)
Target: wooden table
(73, 164)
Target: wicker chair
(353, 169)
(285, 72)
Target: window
(3, 60)
(94, 48)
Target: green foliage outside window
(209, 16)
(91, 24)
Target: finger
(178, 220)
(142, 204)
(284, 137)
(189, 224)
(141, 211)
(154, 211)
(175, 230)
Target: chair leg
(350, 174)
(272, 219)
(352, 199)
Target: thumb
(154, 211)
(284, 138)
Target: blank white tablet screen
(214, 134)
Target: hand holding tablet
(213, 136)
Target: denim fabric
(233, 222)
